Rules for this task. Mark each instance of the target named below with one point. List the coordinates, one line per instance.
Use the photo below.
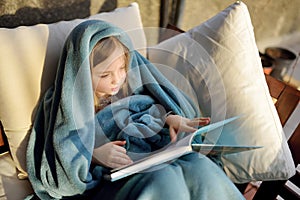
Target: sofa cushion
(220, 60)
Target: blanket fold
(66, 129)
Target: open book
(175, 150)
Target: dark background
(29, 12)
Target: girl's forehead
(112, 63)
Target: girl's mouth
(115, 89)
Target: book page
(160, 157)
(217, 149)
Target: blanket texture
(66, 128)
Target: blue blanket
(66, 129)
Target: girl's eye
(123, 68)
(103, 75)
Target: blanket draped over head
(66, 128)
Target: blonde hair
(101, 51)
(104, 48)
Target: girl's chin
(114, 92)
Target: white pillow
(28, 61)
(221, 61)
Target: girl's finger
(119, 152)
(122, 160)
(204, 122)
(119, 142)
(202, 118)
(199, 121)
(188, 129)
(193, 123)
(173, 134)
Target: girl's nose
(115, 78)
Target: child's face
(109, 75)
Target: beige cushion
(28, 60)
(221, 61)
(10, 186)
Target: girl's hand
(179, 124)
(111, 154)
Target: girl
(109, 62)
(108, 106)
